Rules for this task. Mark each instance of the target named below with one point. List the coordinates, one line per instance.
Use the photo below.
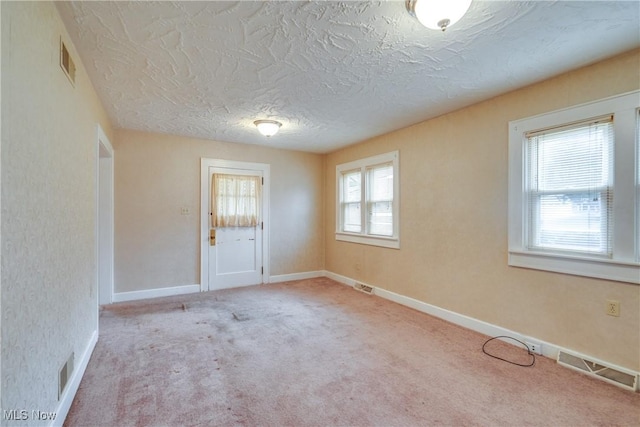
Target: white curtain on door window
(235, 200)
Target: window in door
(235, 200)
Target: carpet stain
(241, 317)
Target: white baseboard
(72, 387)
(155, 293)
(548, 349)
(340, 279)
(296, 276)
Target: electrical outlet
(613, 308)
(185, 211)
(534, 347)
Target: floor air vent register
(363, 288)
(64, 375)
(599, 370)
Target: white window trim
(387, 242)
(624, 266)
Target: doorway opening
(104, 218)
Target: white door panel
(232, 244)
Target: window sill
(385, 242)
(607, 269)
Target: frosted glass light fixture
(267, 127)
(438, 14)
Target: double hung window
(367, 201)
(574, 185)
(569, 188)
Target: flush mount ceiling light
(267, 127)
(438, 14)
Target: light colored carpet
(317, 353)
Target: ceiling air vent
(596, 369)
(66, 63)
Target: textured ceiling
(334, 73)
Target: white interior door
(235, 254)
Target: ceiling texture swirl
(333, 73)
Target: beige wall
(156, 175)
(453, 184)
(49, 291)
(453, 213)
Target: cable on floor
(533, 357)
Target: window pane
(380, 199)
(351, 198)
(351, 217)
(573, 159)
(570, 188)
(381, 182)
(381, 218)
(572, 222)
(352, 186)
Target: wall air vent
(363, 288)
(598, 369)
(66, 63)
(64, 375)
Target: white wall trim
(548, 349)
(102, 138)
(104, 217)
(72, 387)
(155, 293)
(296, 276)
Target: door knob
(212, 237)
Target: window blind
(569, 187)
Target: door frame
(205, 164)
(104, 217)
